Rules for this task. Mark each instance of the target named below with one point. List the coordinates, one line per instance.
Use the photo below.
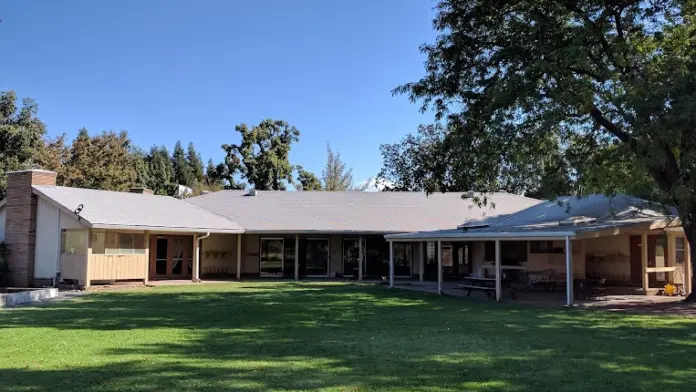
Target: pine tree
(182, 170)
(195, 163)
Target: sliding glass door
(317, 257)
(403, 257)
(272, 251)
(351, 257)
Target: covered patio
(581, 244)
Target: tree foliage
(195, 163)
(336, 175)
(21, 134)
(618, 74)
(182, 170)
(262, 157)
(307, 180)
(160, 170)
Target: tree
(52, 155)
(100, 162)
(336, 175)
(21, 134)
(195, 163)
(161, 170)
(182, 171)
(262, 157)
(617, 73)
(308, 181)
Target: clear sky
(192, 70)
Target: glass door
(351, 257)
(403, 256)
(317, 257)
(272, 252)
(161, 256)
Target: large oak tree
(618, 74)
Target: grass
(334, 337)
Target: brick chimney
(142, 190)
(20, 223)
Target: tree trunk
(690, 232)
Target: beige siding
(117, 267)
(609, 257)
(250, 254)
(219, 255)
(73, 267)
(335, 255)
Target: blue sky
(192, 70)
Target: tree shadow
(313, 336)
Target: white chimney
(252, 192)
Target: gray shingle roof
(565, 216)
(106, 209)
(358, 212)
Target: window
(680, 248)
(431, 252)
(489, 251)
(271, 260)
(98, 242)
(544, 247)
(317, 257)
(72, 242)
(124, 244)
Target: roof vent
(470, 194)
(141, 190)
(252, 192)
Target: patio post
(196, 264)
(498, 273)
(644, 261)
(421, 263)
(239, 256)
(297, 256)
(439, 267)
(687, 267)
(391, 264)
(360, 258)
(569, 271)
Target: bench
(488, 290)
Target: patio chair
(590, 290)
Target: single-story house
(90, 236)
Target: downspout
(197, 278)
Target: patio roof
(564, 217)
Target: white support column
(147, 257)
(360, 258)
(498, 273)
(687, 266)
(421, 266)
(239, 256)
(439, 267)
(569, 271)
(644, 261)
(297, 256)
(391, 264)
(196, 260)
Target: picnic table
(487, 285)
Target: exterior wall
(47, 240)
(335, 255)
(219, 255)
(250, 254)
(73, 267)
(609, 257)
(2, 224)
(118, 267)
(20, 223)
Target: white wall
(47, 240)
(2, 224)
(69, 221)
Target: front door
(171, 257)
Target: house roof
(353, 212)
(124, 210)
(565, 216)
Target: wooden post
(644, 261)
(391, 264)
(196, 260)
(569, 271)
(239, 256)
(688, 270)
(498, 273)
(147, 256)
(439, 267)
(297, 256)
(360, 258)
(88, 258)
(421, 265)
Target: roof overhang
(105, 226)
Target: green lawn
(334, 337)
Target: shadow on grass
(310, 336)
